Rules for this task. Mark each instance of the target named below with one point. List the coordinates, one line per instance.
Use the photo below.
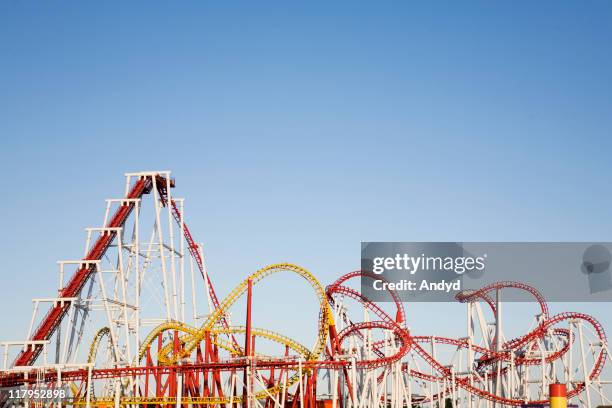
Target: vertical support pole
(498, 334)
(28, 386)
(431, 373)
(587, 380)
(182, 259)
(569, 354)
(72, 325)
(146, 386)
(36, 303)
(171, 247)
(408, 380)
(300, 385)
(89, 385)
(123, 288)
(193, 291)
(470, 352)
(113, 336)
(179, 390)
(117, 392)
(136, 252)
(59, 386)
(334, 387)
(61, 280)
(247, 344)
(160, 244)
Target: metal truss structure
(135, 299)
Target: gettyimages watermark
(438, 271)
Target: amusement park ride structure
(134, 300)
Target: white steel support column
(160, 238)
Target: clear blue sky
(298, 130)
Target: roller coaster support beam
(247, 344)
(53, 318)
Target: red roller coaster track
(404, 342)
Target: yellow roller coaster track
(193, 336)
(95, 343)
(191, 340)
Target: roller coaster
(130, 328)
